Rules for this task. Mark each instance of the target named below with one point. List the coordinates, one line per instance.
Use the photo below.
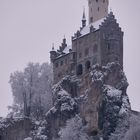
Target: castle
(99, 42)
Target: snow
(125, 105)
(7, 122)
(62, 93)
(112, 92)
(73, 130)
(66, 50)
(96, 26)
(97, 76)
(29, 138)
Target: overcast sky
(29, 27)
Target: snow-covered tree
(32, 89)
(134, 131)
(73, 130)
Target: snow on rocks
(111, 91)
(29, 138)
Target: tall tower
(97, 9)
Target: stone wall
(15, 129)
(111, 41)
(88, 50)
(63, 66)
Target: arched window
(87, 65)
(80, 55)
(94, 61)
(108, 47)
(61, 63)
(80, 69)
(95, 48)
(86, 51)
(91, 19)
(56, 65)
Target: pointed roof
(84, 15)
(96, 25)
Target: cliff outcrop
(98, 98)
(94, 106)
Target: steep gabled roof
(94, 26)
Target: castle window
(95, 48)
(86, 51)
(59, 75)
(98, 8)
(66, 61)
(89, 2)
(94, 61)
(74, 56)
(96, 0)
(91, 9)
(80, 69)
(116, 58)
(87, 65)
(108, 47)
(103, 1)
(91, 19)
(80, 55)
(61, 63)
(56, 65)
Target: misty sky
(29, 27)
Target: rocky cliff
(92, 107)
(98, 100)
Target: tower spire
(84, 18)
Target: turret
(63, 45)
(84, 19)
(53, 54)
(98, 9)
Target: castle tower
(98, 9)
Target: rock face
(14, 129)
(65, 107)
(99, 98)
(92, 107)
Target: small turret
(63, 45)
(53, 54)
(84, 19)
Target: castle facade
(98, 42)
